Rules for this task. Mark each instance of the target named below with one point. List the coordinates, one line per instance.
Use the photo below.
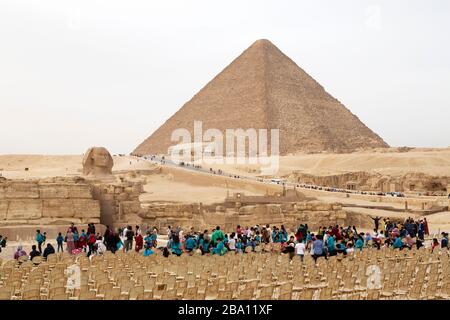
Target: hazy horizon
(74, 74)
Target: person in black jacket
(34, 252)
(48, 250)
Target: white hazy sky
(79, 73)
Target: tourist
(434, 244)
(70, 240)
(341, 248)
(331, 245)
(290, 250)
(176, 246)
(350, 248)
(91, 229)
(376, 222)
(148, 249)
(318, 248)
(217, 235)
(265, 234)
(444, 240)
(398, 243)
(82, 241)
(59, 242)
(419, 244)
(118, 242)
(409, 242)
(204, 242)
(124, 232)
(240, 245)
(76, 239)
(425, 225)
(300, 250)
(107, 237)
(99, 246)
(91, 243)
(139, 241)
(34, 252)
(166, 252)
(284, 234)
(359, 243)
(231, 245)
(73, 228)
(39, 240)
(128, 243)
(190, 244)
(219, 249)
(3, 242)
(48, 250)
(421, 232)
(19, 252)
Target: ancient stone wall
(364, 181)
(119, 202)
(47, 202)
(315, 214)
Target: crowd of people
(324, 242)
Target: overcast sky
(74, 74)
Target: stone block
(24, 209)
(323, 207)
(128, 190)
(137, 189)
(22, 190)
(64, 222)
(57, 208)
(129, 207)
(122, 197)
(53, 191)
(86, 208)
(3, 209)
(80, 191)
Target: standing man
(40, 240)
(376, 221)
(128, 245)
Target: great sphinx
(97, 161)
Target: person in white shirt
(350, 249)
(300, 250)
(101, 248)
(232, 242)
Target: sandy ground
(390, 162)
(164, 188)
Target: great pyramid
(265, 89)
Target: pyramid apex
(262, 42)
